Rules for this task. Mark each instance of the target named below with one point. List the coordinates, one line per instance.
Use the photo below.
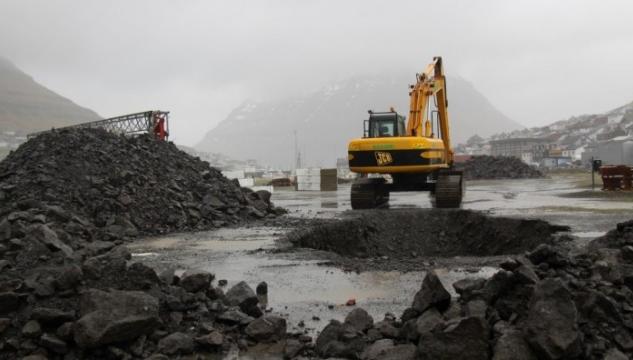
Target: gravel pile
(497, 167)
(68, 286)
(124, 186)
(546, 304)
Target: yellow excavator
(417, 153)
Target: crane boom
(153, 122)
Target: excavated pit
(407, 233)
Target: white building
(617, 151)
(570, 153)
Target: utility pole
(593, 170)
(297, 153)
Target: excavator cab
(385, 124)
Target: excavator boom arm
(431, 83)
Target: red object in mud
(351, 302)
(616, 177)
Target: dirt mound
(544, 305)
(399, 233)
(497, 167)
(124, 185)
(621, 236)
(69, 200)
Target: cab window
(384, 128)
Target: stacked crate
(308, 179)
(329, 179)
(315, 179)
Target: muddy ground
(311, 286)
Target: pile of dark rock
(497, 167)
(69, 201)
(124, 185)
(104, 309)
(546, 304)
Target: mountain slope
(27, 106)
(582, 130)
(325, 120)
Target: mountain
(579, 131)
(26, 106)
(327, 119)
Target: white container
(246, 182)
(234, 174)
(308, 179)
(309, 171)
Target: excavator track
(369, 193)
(449, 189)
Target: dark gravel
(403, 239)
(497, 167)
(124, 185)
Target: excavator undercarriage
(446, 187)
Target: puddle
(144, 254)
(234, 245)
(297, 289)
(221, 240)
(323, 292)
(588, 234)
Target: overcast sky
(538, 61)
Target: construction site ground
(310, 287)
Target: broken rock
(114, 316)
(465, 338)
(213, 339)
(377, 350)
(359, 319)
(551, 327)
(267, 328)
(48, 237)
(432, 294)
(429, 321)
(512, 346)
(466, 287)
(32, 329)
(234, 316)
(176, 343)
(54, 344)
(69, 277)
(196, 280)
(240, 294)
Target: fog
(537, 61)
